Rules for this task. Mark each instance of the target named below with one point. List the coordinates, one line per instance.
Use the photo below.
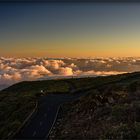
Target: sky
(69, 30)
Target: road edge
(26, 120)
(56, 116)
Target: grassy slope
(14, 108)
(17, 101)
(111, 111)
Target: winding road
(40, 123)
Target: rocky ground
(109, 112)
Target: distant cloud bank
(13, 70)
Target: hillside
(110, 111)
(17, 101)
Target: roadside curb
(26, 120)
(56, 116)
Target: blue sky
(58, 30)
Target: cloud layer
(13, 70)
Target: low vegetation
(14, 108)
(109, 112)
(18, 101)
(101, 108)
(48, 86)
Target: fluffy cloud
(66, 71)
(97, 73)
(13, 70)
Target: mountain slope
(110, 111)
(17, 101)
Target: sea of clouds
(13, 70)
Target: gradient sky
(69, 30)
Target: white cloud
(98, 73)
(18, 69)
(66, 71)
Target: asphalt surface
(42, 119)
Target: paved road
(41, 121)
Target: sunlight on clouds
(13, 70)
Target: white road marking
(40, 123)
(34, 133)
